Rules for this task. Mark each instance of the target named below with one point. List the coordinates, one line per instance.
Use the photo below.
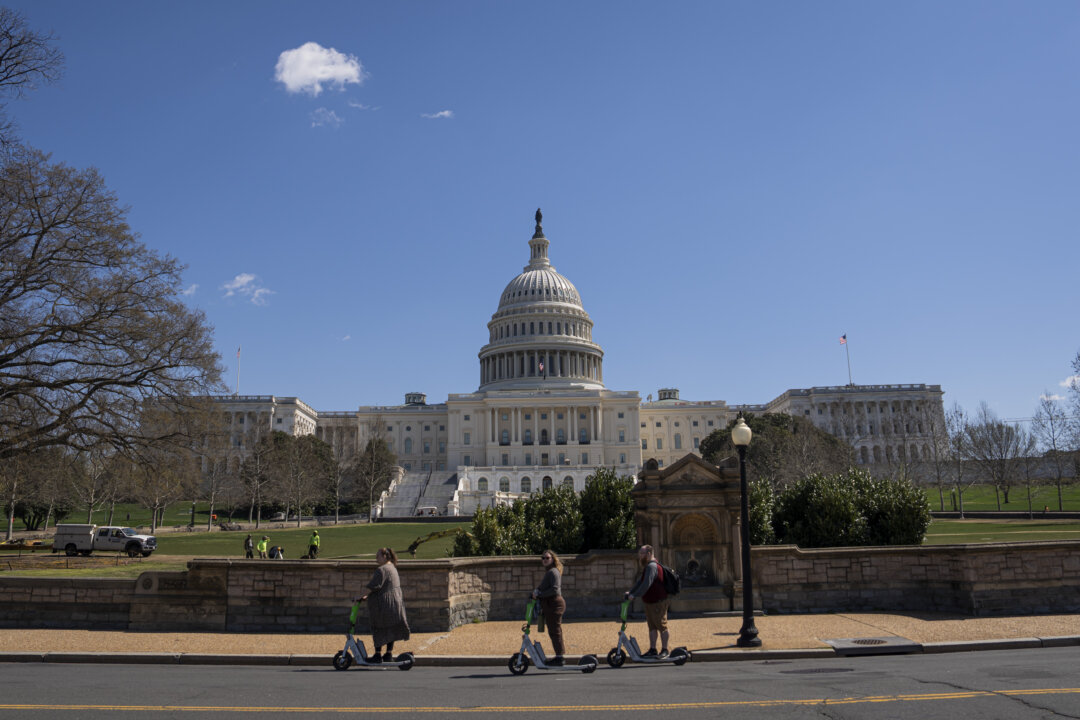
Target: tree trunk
(210, 517)
(941, 497)
(960, 493)
(1031, 515)
(997, 495)
(11, 511)
(48, 514)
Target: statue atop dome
(539, 230)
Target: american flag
(237, 352)
(843, 339)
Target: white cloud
(361, 106)
(326, 118)
(1071, 381)
(248, 286)
(346, 338)
(310, 66)
(440, 114)
(189, 290)
(1055, 397)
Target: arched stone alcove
(689, 512)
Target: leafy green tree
(761, 500)
(553, 521)
(784, 449)
(607, 511)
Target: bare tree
(995, 446)
(26, 59)
(1050, 426)
(936, 467)
(959, 453)
(372, 469)
(301, 468)
(1026, 464)
(255, 472)
(92, 325)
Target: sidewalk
(491, 643)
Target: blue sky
(730, 186)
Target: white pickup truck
(75, 538)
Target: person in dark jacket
(650, 588)
(551, 602)
(249, 547)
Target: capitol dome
(541, 334)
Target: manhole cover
(868, 641)
(890, 644)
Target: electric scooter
(534, 653)
(356, 652)
(628, 648)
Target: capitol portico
(542, 415)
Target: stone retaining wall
(315, 596)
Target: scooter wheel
(616, 658)
(588, 664)
(342, 660)
(406, 660)
(518, 664)
(680, 656)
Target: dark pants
(553, 609)
(313, 551)
(248, 552)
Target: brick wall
(315, 596)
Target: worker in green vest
(313, 545)
(262, 546)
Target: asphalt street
(1012, 685)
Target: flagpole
(847, 351)
(238, 371)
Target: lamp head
(741, 434)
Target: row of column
(593, 421)
(526, 363)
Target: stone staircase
(439, 491)
(403, 496)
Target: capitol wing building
(542, 416)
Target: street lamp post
(748, 635)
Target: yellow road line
(959, 695)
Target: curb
(733, 655)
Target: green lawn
(949, 532)
(344, 541)
(981, 497)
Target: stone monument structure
(689, 513)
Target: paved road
(1017, 685)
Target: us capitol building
(542, 415)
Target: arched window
(560, 436)
(528, 437)
(526, 485)
(408, 445)
(568, 481)
(544, 437)
(504, 484)
(547, 482)
(678, 441)
(505, 437)
(583, 435)
(481, 485)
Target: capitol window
(644, 443)
(526, 485)
(543, 416)
(468, 440)
(622, 458)
(466, 419)
(620, 416)
(481, 485)
(659, 443)
(622, 436)
(408, 445)
(678, 441)
(504, 484)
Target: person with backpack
(650, 588)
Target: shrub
(851, 508)
(607, 511)
(761, 501)
(819, 511)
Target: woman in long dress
(386, 607)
